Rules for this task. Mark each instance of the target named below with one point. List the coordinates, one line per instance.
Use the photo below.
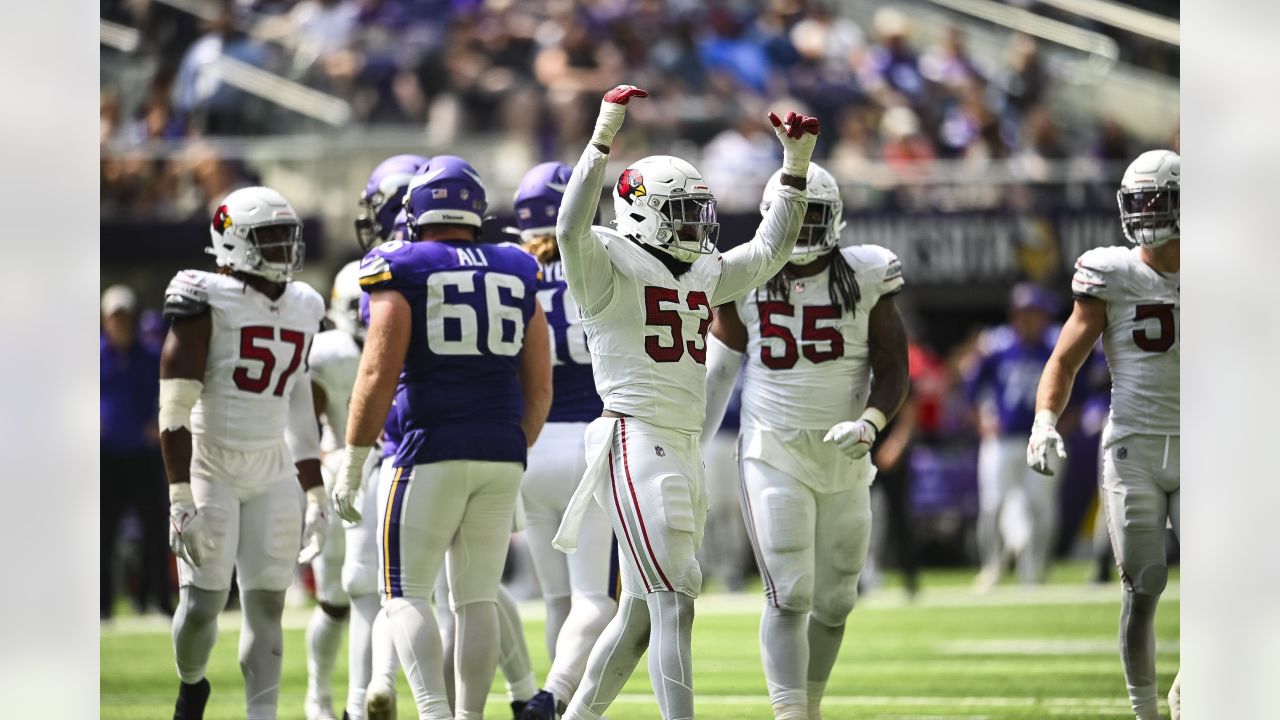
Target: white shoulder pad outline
(878, 264)
(1095, 272)
(188, 293)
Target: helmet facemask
(818, 232)
(1150, 216)
(687, 225)
(275, 251)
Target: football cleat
(380, 700)
(191, 700)
(317, 708)
(542, 706)
(517, 708)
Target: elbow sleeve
(177, 397)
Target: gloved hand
(314, 525)
(347, 484)
(854, 437)
(187, 537)
(612, 109)
(798, 134)
(1044, 437)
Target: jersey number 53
(662, 310)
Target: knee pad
(593, 607)
(1150, 580)
(359, 580)
(831, 605)
(202, 606)
(788, 522)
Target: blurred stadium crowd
(531, 73)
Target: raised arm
(584, 256)
(747, 266)
(1075, 342)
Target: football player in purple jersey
(461, 320)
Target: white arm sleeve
(747, 266)
(586, 261)
(302, 434)
(722, 373)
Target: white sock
(476, 657)
(558, 610)
(261, 651)
(417, 641)
(383, 653)
(513, 653)
(824, 646)
(670, 654)
(587, 618)
(816, 691)
(1138, 651)
(195, 629)
(324, 635)
(612, 660)
(784, 647)
(364, 610)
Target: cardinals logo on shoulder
(221, 219)
(631, 185)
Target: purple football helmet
(383, 197)
(448, 192)
(538, 200)
(400, 228)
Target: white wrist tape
(608, 123)
(1047, 417)
(316, 496)
(356, 457)
(875, 417)
(180, 494)
(177, 397)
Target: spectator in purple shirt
(129, 457)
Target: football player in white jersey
(580, 590)
(645, 291)
(238, 433)
(1129, 296)
(812, 337)
(343, 578)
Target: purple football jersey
(575, 398)
(470, 304)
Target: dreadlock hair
(842, 284)
(543, 248)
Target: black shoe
(542, 706)
(191, 700)
(517, 708)
(345, 716)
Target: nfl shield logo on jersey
(657, 450)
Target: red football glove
(612, 109)
(798, 134)
(795, 124)
(621, 94)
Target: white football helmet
(663, 201)
(823, 218)
(1150, 206)
(256, 231)
(344, 301)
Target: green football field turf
(1042, 652)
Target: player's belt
(613, 414)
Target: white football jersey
(334, 359)
(257, 351)
(646, 329)
(807, 361)
(1141, 337)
